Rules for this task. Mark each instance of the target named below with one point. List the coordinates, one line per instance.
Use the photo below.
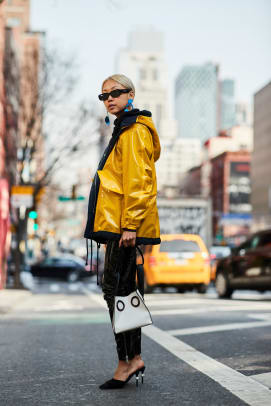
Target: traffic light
(33, 215)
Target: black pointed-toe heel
(113, 384)
(142, 374)
(142, 370)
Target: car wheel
(222, 286)
(202, 288)
(147, 288)
(73, 276)
(181, 290)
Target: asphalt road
(57, 347)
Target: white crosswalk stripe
(220, 327)
(265, 379)
(251, 389)
(244, 387)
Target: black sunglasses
(115, 93)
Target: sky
(236, 34)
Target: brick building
(18, 44)
(191, 184)
(230, 191)
(4, 190)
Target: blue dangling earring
(107, 120)
(130, 103)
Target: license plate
(180, 261)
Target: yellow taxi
(181, 260)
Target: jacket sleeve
(137, 164)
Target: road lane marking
(244, 387)
(174, 302)
(219, 327)
(102, 318)
(54, 287)
(209, 309)
(167, 300)
(261, 316)
(264, 378)
(97, 298)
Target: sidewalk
(10, 298)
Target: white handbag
(130, 312)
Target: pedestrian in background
(122, 210)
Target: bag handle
(140, 275)
(142, 256)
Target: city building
(196, 101)
(192, 183)
(28, 44)
(261, 159)
(237, 138)
(227, 104)
(4, 191)
(19, 62)
(243, 114)
(144, 62)
(8, 134)
(230, 190)
(177, 157)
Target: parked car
(67, 267)
(181, 260)
(216, 253)
(248, 266)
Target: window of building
(158, 114)
(13, 22)
(155, 74)
(142, 74)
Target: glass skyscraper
(227, 98)
(196, 94)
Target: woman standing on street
(122, 211)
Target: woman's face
(115, 105)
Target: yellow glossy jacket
(123, 193)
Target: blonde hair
(122, 80)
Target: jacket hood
(143, 117)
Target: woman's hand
(128, 239)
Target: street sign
(22, 189)
(22, 200)
(69, 199)
(22, 196)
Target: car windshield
(179, 246)
(50, 261)
(220, 252)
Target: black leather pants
(123, 261)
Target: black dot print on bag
(120, 305)
(135, 301)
